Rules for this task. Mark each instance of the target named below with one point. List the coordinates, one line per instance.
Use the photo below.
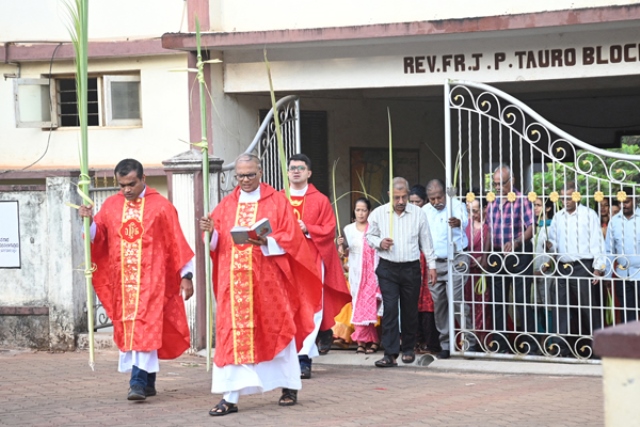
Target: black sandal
(408, 357)
(373, 348)
(223, 408)
(361, 349)
(386, 362)
(289, 397)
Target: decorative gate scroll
(524, 297)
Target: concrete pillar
(66, 284)
(619, 347)
(186, 192)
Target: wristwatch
(188, 276)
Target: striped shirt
(508, 221)
(410, 234)
(575, 236)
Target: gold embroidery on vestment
(241, 290)
(131, 233)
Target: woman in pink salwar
(365, 291)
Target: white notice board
(9, 234)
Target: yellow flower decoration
(470, 197)
(511, 196)
(491, 196)
(576, 196)
(621, 196)
(554, 196)
(598, 196)
(532, 196)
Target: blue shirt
(439, 226)
(623, 244)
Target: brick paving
(45, 389)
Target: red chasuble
(139, 250)
(263, 301)
(315, 211)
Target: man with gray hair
(399, 231)
(266, 290)
(507, 256)
(439, 224)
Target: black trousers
(627, 291)
(428, 334)
(399, 282)
(513, 272)
(579, 302)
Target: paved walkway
(44, 389)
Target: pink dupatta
(365, 307)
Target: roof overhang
(610, 15)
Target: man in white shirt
(439, 224)
(576, 237)
(623, 248)
(398, 231)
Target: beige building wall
(165, 119)
(260, 15)
(45, 20)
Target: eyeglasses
(297, 168)
(501, 183)
(248, 176)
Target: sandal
(361, 349)
(289, 397)
(408, 357)
(386, 362)
(373, 348)
(223, 408)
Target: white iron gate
(265, 145)
(533, 285)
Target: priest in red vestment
(266, 290)
(144, 268)
(318, 223)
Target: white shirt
(410, 234)
(439, 226)
(577, 236)
(623, 244)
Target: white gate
(533, 288)
(265, 145)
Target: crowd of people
(522, 274)
(530, 276)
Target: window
(33, 103)
(113, 100)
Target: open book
(241, 235)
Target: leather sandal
(373, 348)
(408, 357)
(361, 349)
(289, 397)
(223, 408)
(386, 362)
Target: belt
(441, 260)
(386, 261)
